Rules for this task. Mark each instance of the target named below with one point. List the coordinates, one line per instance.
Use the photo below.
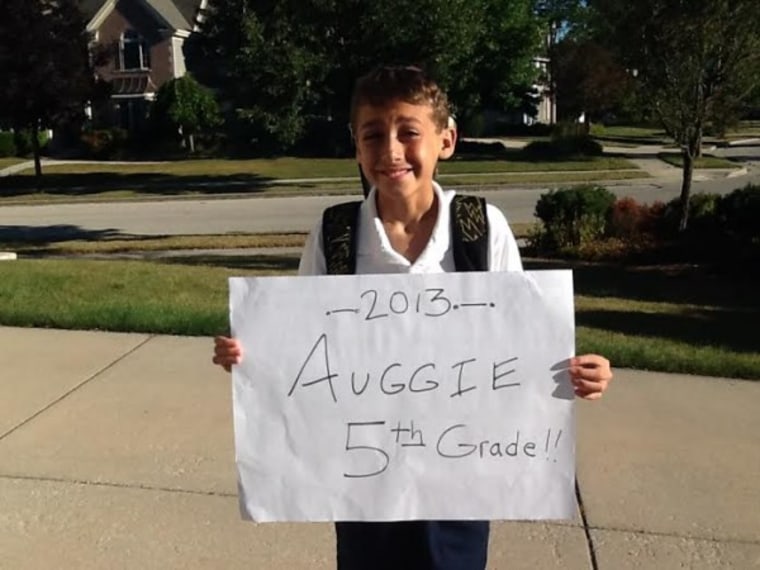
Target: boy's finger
(590, 361)
(588, 395)
(592, 374)
(589, 385)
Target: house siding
(125, 16)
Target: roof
(189, 9)
(178, 14)
(90, 7)
(168, 10)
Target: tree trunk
(688, 171)
(698, 154)
(191, 142)
(37, 163)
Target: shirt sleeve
(503, 253)
(313, 256)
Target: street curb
(739, 172)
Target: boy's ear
(448, 142)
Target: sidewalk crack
(115, 485)
(75, 388)
(586, 527)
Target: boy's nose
(393, 148)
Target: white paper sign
(396, 397)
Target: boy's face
(398, 146)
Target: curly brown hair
(409, 84)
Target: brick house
(143, 44)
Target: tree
(264, 60)
(588, 79)
(280, 65)
(693, 59)
(185, 107)
(562, 20)
(44, 63)
(503, 72)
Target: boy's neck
(409, 223)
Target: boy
(400, 123)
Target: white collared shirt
(374, 253)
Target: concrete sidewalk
(116, 452)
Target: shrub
(570, 130)
(702, 220)
(625, 219)
(523, 130)
(563, 147)
(104, 144)
(24, 145)
(7, 145)
(573, 216)
(738, 214)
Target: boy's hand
(591, 375)
(227, 351)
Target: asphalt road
(257, 214)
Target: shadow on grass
(640, 140)
(258, 263)
(151, 184)
(471, 151)
(723, 308)
(732, 330)
(43, 235)
(679, 284)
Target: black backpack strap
(469, 233)
(339, 225)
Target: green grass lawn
(678, 319)
(6, 162)
(140, 243)
(201, 177)
(705, 161)
(629, 135)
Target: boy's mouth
(395, 173)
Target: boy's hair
(400, 83)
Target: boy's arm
(313, 256)
(503, 253)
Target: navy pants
(412, 545)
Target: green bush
(23, 141)
(573, 216)
(7, 145)
(523, 130)
(702, 223)
(563, 147)
(738, 214)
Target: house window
(134, 52)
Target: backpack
(469, 235)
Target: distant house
(143, 45)
(546, 107)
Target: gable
(174, 14)
(189, 9)
(90, 7)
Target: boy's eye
(371, 136)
